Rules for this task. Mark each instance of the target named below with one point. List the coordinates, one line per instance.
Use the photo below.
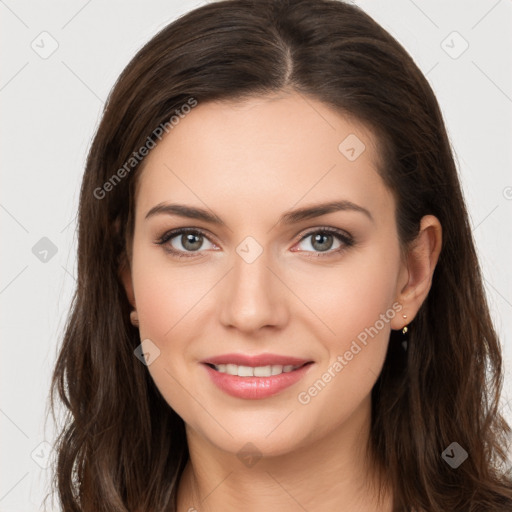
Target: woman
(279, 304)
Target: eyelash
(342, 236)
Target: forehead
(263, 153)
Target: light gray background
(50, 110)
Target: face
(258, 287)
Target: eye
(188, 240)
(323, 239)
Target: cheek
(356, 304)
(168, 301)
(351, 297)
(166, 294)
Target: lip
(256, 388)
(256, 360)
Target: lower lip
(256, 388)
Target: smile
(255, 371)
(255, 377)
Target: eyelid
(343, 236)
(173, 233)
(346, 239)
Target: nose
(253, 296)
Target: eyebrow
(289, 217)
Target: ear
(418, 268)
(125, 274)
(124, 265)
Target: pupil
(319, 237)
(189, 239)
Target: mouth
(256, 371)
(255, 377)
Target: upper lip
(256, 360)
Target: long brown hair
(121, 447)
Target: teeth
(245, 371)
(232, 369)
(263, 371)
(254, 371)
(277, 369)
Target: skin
(249, 162)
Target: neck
(330, 474)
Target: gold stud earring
(134, 318)
(404, 330)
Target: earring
(404, 335)
(134, 318)
(404, 330)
